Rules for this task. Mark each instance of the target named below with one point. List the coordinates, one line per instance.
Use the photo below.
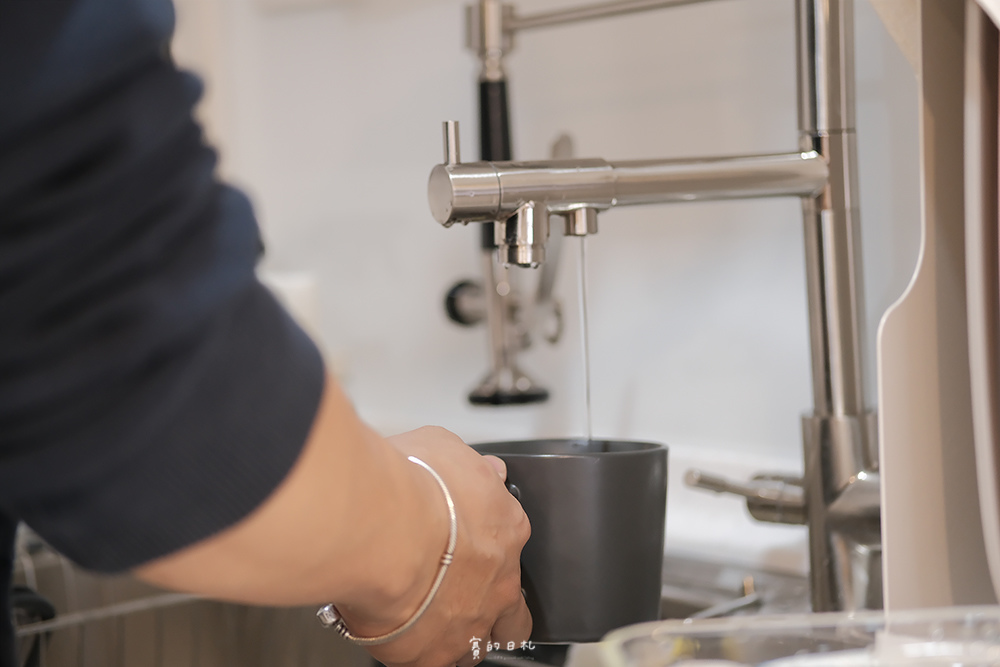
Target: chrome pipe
(601, 10)
(825, 65)
(838, 443)
(451, 143)
(492, 191)
(833, 260)
(485, 33)
(498, 295)
(664, 181)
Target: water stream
(585, 334)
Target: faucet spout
(521, 238)
(494, 191)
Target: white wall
(697, 312)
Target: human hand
(480, 596)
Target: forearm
(354, 522)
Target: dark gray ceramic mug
(595, 556)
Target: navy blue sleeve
(152, 392)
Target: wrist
(331, 617)
(404, 557)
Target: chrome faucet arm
(770, 498)
(780, 490)
(514, 22)
(492, 191)
(520, 197)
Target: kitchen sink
(693, 587)
(699, 587)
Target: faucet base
(507, 386)
(843, 512)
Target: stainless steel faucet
(838, 495)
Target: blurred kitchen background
(328, 113)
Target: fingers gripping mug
(594, 559)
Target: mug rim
(643, 447)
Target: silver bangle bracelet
(330, 617)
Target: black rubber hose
(494, 134)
